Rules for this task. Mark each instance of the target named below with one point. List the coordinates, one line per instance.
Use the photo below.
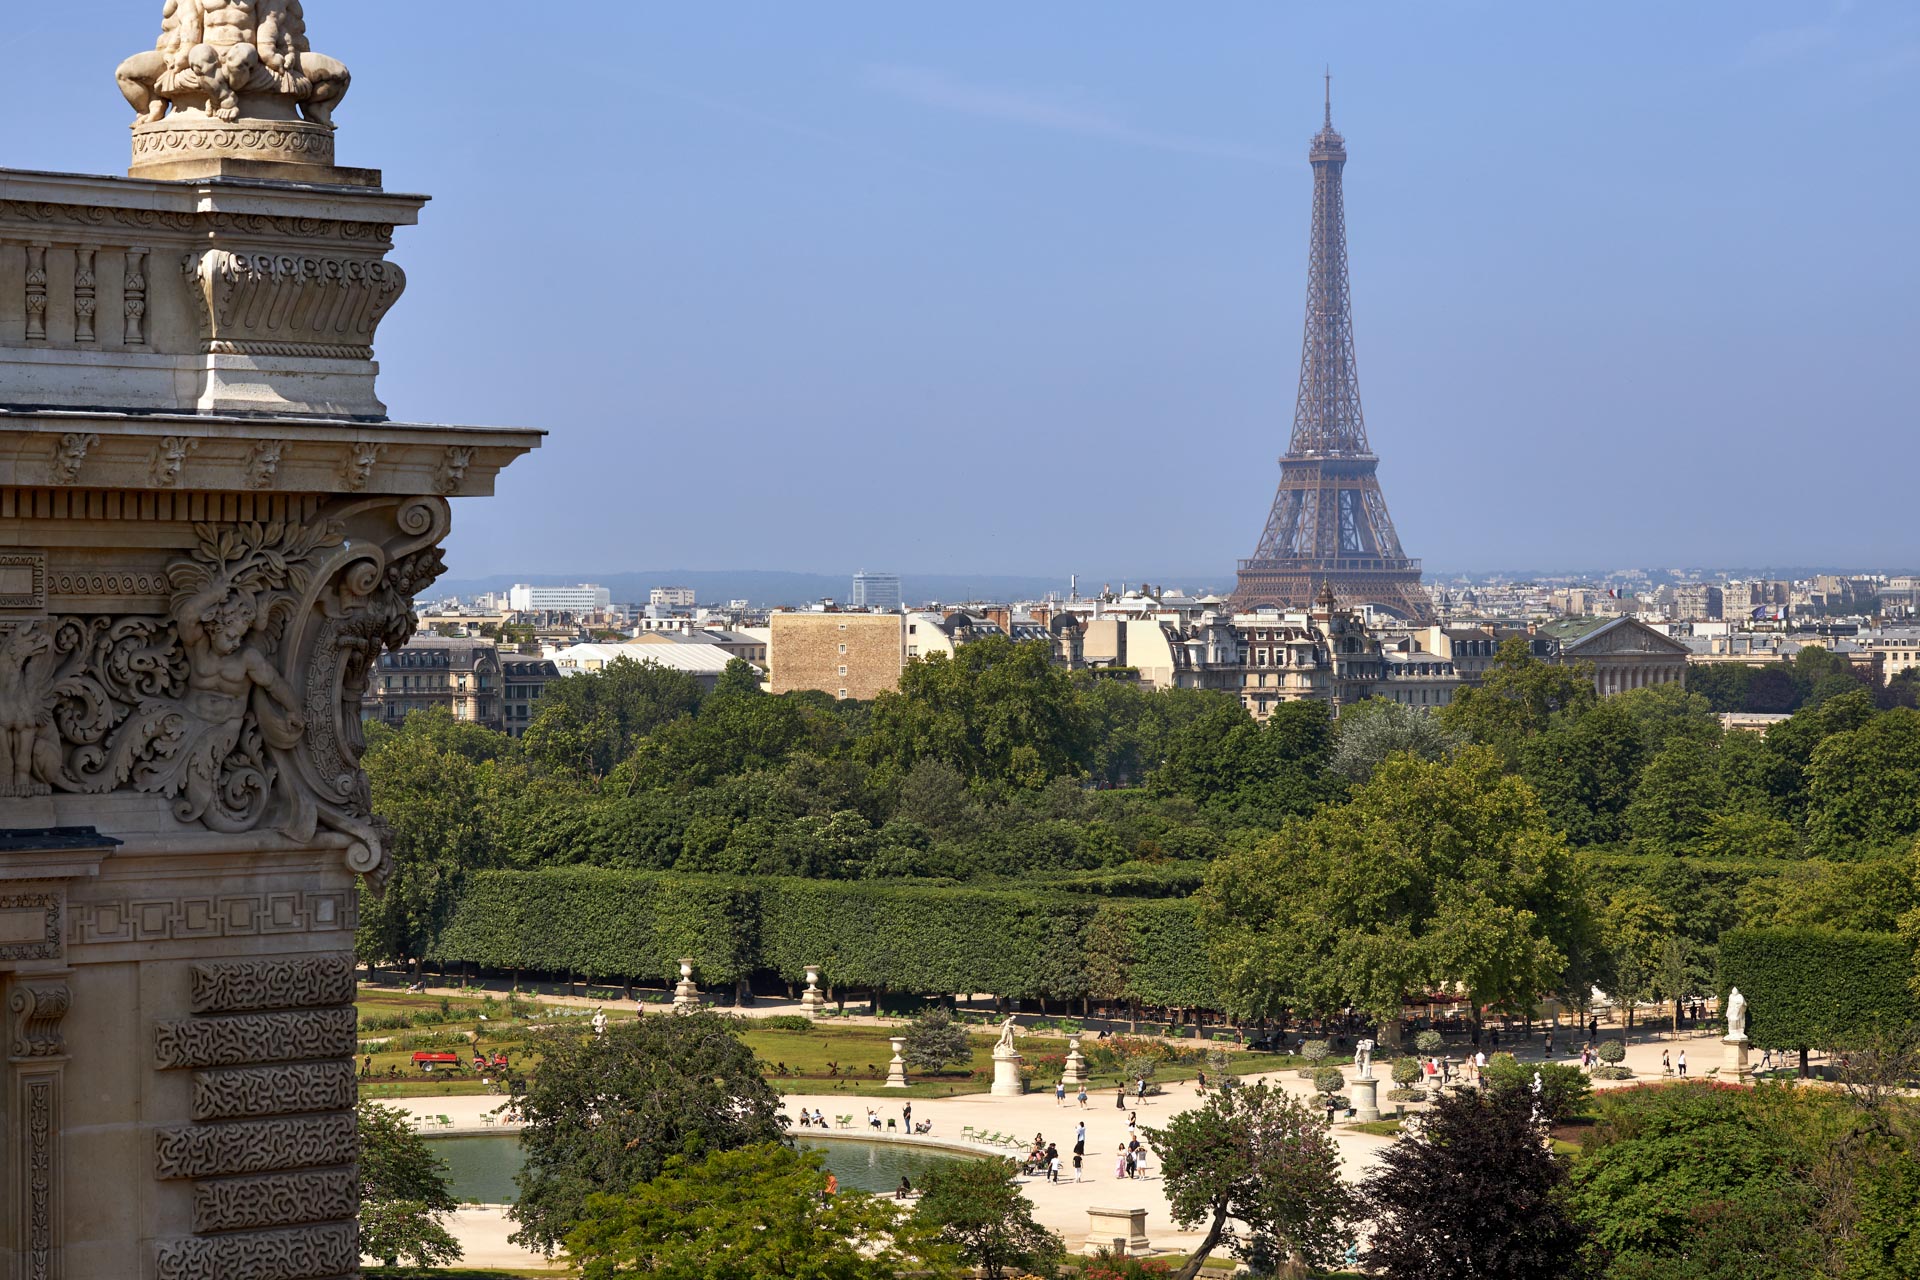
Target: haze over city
(1018, 289)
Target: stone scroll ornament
(212, 55)
(242, 705)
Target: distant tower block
(1329, 525)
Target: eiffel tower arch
(1329, 526)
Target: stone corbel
(35, 1085)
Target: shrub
(1316, 1051)
(783, 1022)
(1329, 1080)
(1430, 1042)
(1813, 988)
(1564, 1089)
(1406, 1095)
(1405, 1071)
(935, 1041)
(1612, 1052)
(1612, 1073)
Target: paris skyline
(969, 293)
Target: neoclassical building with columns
(1626, 653)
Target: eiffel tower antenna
(1329, 525)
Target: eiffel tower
(1329, 528)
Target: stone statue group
(213, 52)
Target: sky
(1018, 288)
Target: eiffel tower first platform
(1329, 527)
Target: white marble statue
(211, 52)
(599, 1022)
(1006, 1036)
(1363, 1059)
(1736, 1015)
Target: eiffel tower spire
(1329, 524)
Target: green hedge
(1817, 988)
(903, 939)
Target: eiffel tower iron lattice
(1329, 526)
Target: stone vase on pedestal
(686, 995)
(210, 535)
(1075, 1074)
(1364, 1096)
(813, 1002)
(897, 1069)
(1006, 1074)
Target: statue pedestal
(1006, 1074)
(1735, 1066)
(686, 994)
(1365, 1096)
(813, 1002)
(1075, 1074)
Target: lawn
(828, 1057)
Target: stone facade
(845, 655)
(457, 675)
(209, 533)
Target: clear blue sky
(1017, 287)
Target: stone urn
(1075, 1074)
(686, 995)
(897, 1069)
(813, 1002)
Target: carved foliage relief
(242, 704)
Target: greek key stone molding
(245, 915)
(70, 454)
(254, 1146)
(307, 1253)
(253, 1093)
(292, 304)
(242, 1040)
(43, 912)
(278, 1200)
(309, 982)
(38, 1009)
(109, 582)
(23, 580)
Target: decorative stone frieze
(277, 1200)
(252, 1093)
(309, 982)
(306, 1253)
(263, 463)
(250, 1039)
(254, 1146)
(71, 454)
(33, 919)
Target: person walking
(1683, 1063)
(1120, 1162)
(1060, 1091)
(1077, 1157)
(1142, 1091)
(906, 1117)
(1053, 1166)
(1120, 1099)
(1080, 1139)
(1083, 1097)
(1666, 1062)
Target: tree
(1432, 873)
(1519, 698)
(1564, 1088)
(403, 1192)
(589, 723)
(1634, 928)
(1470, 1192)
(757, 1213)
(1677, 799)
(1259, 1169)
(975, 1207)
(1370, 731)
(1001, 714)
(1584, 766)
(608, 1111)
(1863, 786)
(1810, 988)
(1227, 761)
(935, 1041)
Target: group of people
(1043, 1158)
(877, 1122)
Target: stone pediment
(1624, 638)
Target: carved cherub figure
(29, 744)
(212, 52)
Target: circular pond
(481, 1169)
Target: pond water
(481, 1169)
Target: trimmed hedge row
(915, 940)
(1815, 988)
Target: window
(843, 648)
(843, 693)
(843, 669)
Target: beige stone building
(1626, 653)
(845, 655)
(458, 676)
